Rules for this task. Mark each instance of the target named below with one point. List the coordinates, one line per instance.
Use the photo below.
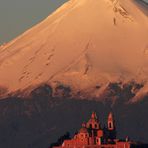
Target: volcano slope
(84, 44)
(88, 55)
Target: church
(92, 135)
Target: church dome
(83, 130)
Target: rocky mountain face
(84, 44)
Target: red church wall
(94, 137)
(123, 144)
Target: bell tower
(111, 123)
(93, 123)
(111, 127)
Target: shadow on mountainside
(42, 119)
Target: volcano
(84, 44)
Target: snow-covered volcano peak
(82, 44)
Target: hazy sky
(16, 16)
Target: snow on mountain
(84, 44)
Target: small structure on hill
(91, 135)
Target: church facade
(91, 135)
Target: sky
(16, 16)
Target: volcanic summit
(83, 44)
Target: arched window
(90, 125)
(96, 126)
(110, 125)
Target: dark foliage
(61, 140)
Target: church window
(90, 125)
(110, 125)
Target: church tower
(111, 127)
(93, 123)
(111, 123)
